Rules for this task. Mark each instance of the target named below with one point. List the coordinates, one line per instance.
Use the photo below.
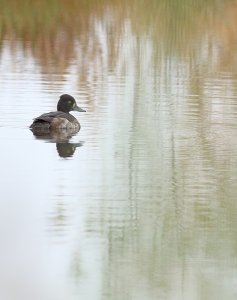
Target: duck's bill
(77, 108)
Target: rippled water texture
(141, 203)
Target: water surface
(141, 203)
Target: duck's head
(67, 103)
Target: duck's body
(56, 119)
(60, 119)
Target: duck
(60, 119)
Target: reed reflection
(54, 31)
(164, 165)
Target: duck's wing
(49, 117)
(57, 119)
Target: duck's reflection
(61, 138)
(67, 149)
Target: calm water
(141, 203)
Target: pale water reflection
(141, 203)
